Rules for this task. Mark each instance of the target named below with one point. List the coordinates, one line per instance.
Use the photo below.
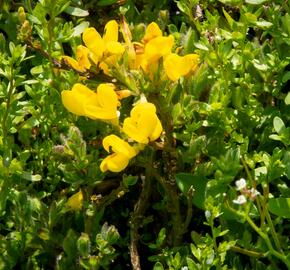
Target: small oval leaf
(280, 207)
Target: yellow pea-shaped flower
(143, 125)
(103, 47)
(122, 153)
(83, 101)
(176, 66)
(157, 48)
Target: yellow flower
(104, 47)
(82, 63)
(96, 105)
(122, 153)
(176, 66)
(75, 202)
(152, 31)
(143, 124)
(158, 47)
(154, 47)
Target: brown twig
(139, 210)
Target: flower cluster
(105, 52)
(245, 192)
(154, 46)
(150, 56)
(101, 51)
(143, 126)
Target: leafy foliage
(178, 201)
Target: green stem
(272, 228)
(213, 236)
(8, 103)
(189, 209)
(263, 235)
(264, 210)
(267, 240)
(247, 252)
(253, 184)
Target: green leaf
(286, 162)
(230, 2)
(287, 98)
(255, 2)
(191, 264)
(186, 180)
(260, 172)
(74, 11)
(70, 244)
(230, 20)
(161, 237)
(36, 70)
(158, 266)
(286, 77)
(201, 46)
(260, 66)
(79, 29)
(251, 18)
(130, 180)
(263, 24)
(31, 177)
(280, 207)
(275, 137)
(31, 122)
(278, 124)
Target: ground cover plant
(144, 134)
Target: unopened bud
(84, 245)
(21, 15)
(123, 93)
(164, 15)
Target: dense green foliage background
(229, 120)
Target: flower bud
(84, 245)
(21, 15)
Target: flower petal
(152, 31)
(141, 107)
(111, 31)
(105, 106)
(75, 202)
(193, 59)
(82, 56)
(118, 145)
(114, 47)
(157, 131)
(76, 99)
(132, 130)
(73, 63)
(158, 47)
(176, 66)
(114, 163)
(94, 41)
(95, 112)
(107, 96)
